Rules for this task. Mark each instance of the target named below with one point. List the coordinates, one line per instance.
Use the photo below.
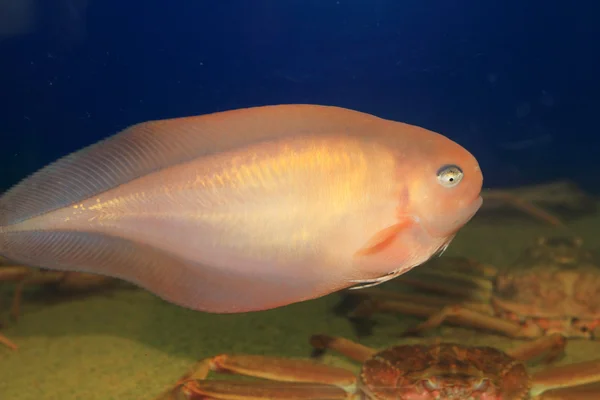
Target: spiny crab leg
(524, 206)
(65, 280)
(358, 352)
(463, 266)
(410, 306)
(32, 278)
(460, 286)
(466, 293)
(374, 300)
(8, 343)
(463, 282)
(463, 316)
(551, 347)
(350, 349)
(25, 275)
(476, 315)
(580, 381)
(589, 391)
(11, 273)
(18, 273)
(287, 379)
(268, 390)
(458, 314)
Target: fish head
(443, 187)
(436, 191)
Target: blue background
(515, 82)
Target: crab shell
(443, 371)
(556, 283)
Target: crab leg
(474, 289)
(288, 379)
(463, 316)
(350, 349)
(457, 314)
(461, 265)
(476, 315)
(377, 300)
(72, 281)
(370, 307)
(12, 273)
(228, 390)
(582, 392)
(8, 343)
(579, 381)
(551, 346)
(32, 278)
(523, 205)
(455, 281)
(25, 275)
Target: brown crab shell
(554, 284)
(557, 291)
(447, 370)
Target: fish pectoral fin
(384, 238)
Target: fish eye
(449, 175)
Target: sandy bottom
(127, 344)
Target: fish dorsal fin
(150, 146)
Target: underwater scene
(299, 199)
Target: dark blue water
(515, 82)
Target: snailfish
(249, 209)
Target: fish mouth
(472, 208)
(477, 203)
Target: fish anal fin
(176, 280)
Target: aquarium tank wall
(514, 83)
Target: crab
(542, 201)
(63, 281)
(441, 371)
(553, 287)
(60, 280)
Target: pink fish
(248, 209)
